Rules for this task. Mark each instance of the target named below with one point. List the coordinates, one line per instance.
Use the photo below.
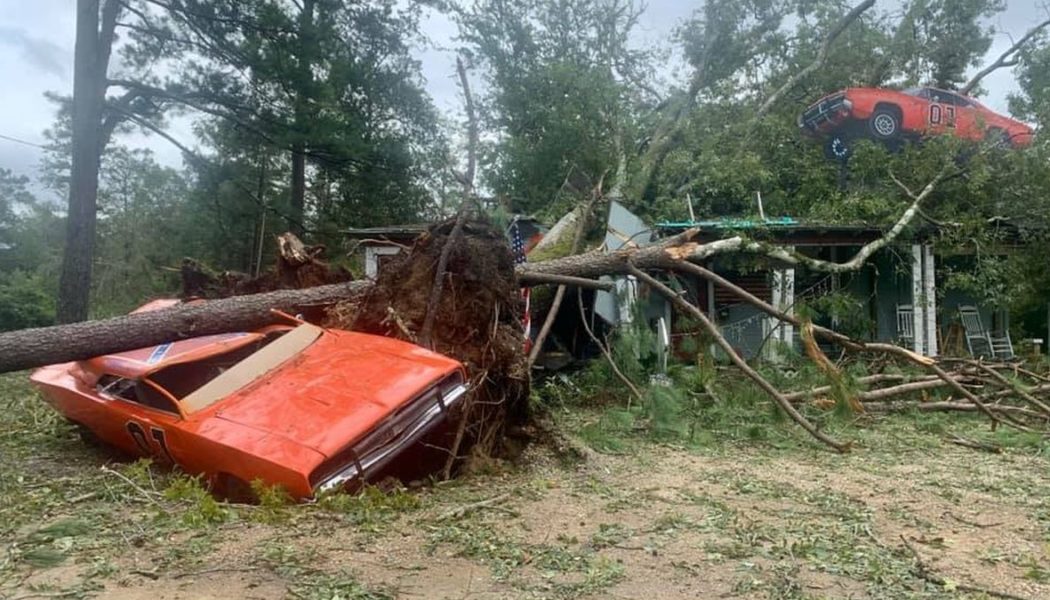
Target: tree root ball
(478, 322)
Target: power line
(18, 141)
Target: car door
(965, 118)
(142, 420)
(940, 112)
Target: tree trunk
(63, 343)
(298, 202)
(94, 43)
(89, 73)
(78, 341)
(300, 128)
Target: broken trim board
(249, 370)
(624, 228)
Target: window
(135, 391)
(956, 99)
(183, 379)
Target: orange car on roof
(887, 114)
(302, 407)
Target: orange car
(886, 115)
(302, 407)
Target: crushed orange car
(301, 407)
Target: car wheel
(885, 124)
(88, 437)
(998, 138)
(234, 489)
(837, 148)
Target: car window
(181, 380)
(135, 391)
(242, 374)
(955, 99)
(917, 92)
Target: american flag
(517, 245)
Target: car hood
(337, 390)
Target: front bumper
(392, 437)
(826, 114)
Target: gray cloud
(48, 56)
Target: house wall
(744, 327)
(892, 288)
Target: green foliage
(371, 508)
(201, 507)
(557, 93)
(848, 312)
(25, 301)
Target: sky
(36, 56)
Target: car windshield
(200, 384)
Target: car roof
(135, 364)
(254, 367)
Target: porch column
(783, 299)
(787, 303)
(917, 303)
(929, 299)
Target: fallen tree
(77, 341)
(479, 322)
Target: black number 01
(160, 451)
(937, 114)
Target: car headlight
(339, 479)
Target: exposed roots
(476, 320)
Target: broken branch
(1005, 59)
(822, 56)
(740, 363)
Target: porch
(894, 298)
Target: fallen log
(951, 406)
(29, 348)
(41, 346)
(77, 341)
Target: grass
(727, 496)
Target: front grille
(824, 111)
(376, 447)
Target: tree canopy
(313, 115)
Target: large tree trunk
(305, 58)
(95, 33)
(78, 341)
(298, 200)
(63, 343)
(89, 71)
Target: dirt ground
(906, 515)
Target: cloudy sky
(36, 56)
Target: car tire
(885, 123)
(998, 138)
(234, 489)
(89, 437)
(838, 148)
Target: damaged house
(899, 296)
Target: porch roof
(786, 230)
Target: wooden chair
(905, 325)
(1003, 347)
(978, 342)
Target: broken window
(135, 391)
(181, 380)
